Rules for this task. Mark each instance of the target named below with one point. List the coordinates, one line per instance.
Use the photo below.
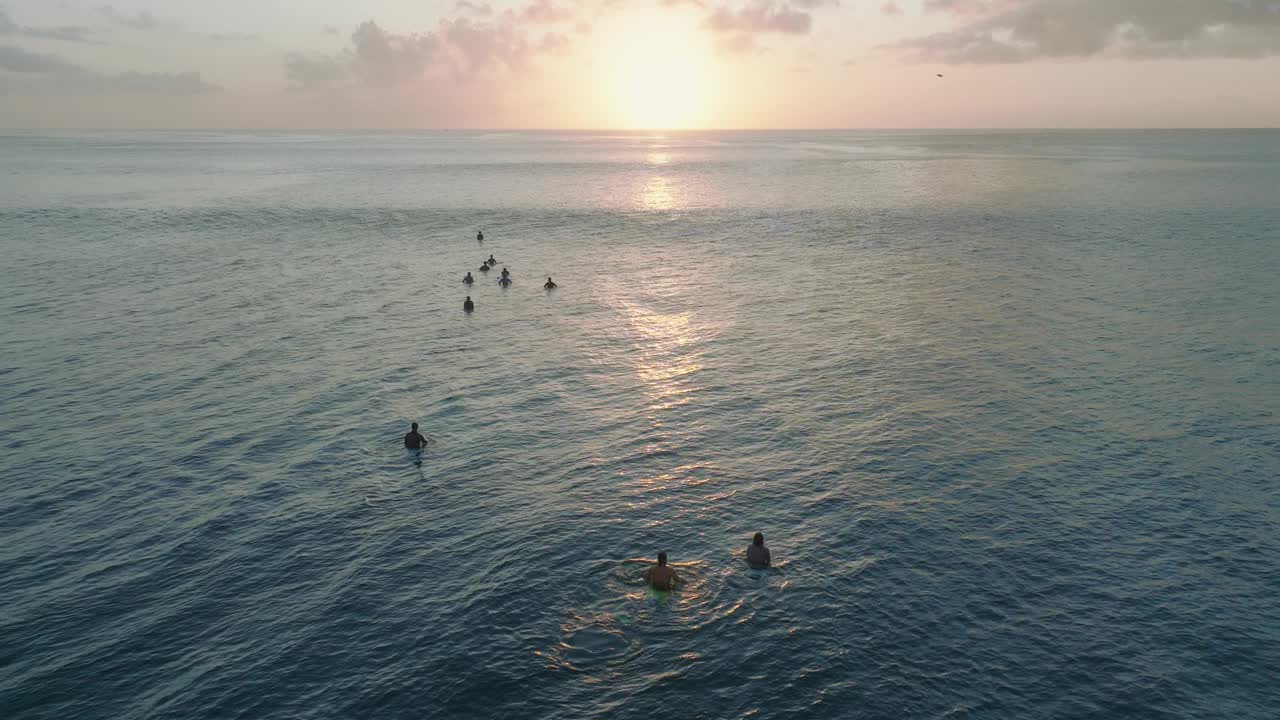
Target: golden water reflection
(665, 354)
(659, 193)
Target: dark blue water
(1004, 405)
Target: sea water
(1004, 406)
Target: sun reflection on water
(665, 354)
(658, 193)
(660, 343)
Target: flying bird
(939, 74)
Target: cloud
(760, 16)
(483, 9)
(555, 44)
(235, 37)
(141, 21)
(144, 21)
(385, 58)
(470, 68)
(39, 73)
(969, 7)
(314, 72)
(68, 33)
(476, 46)
(15, 59)
(544, 11)
(458, 47)
(1010, 31)
(184, 83)
(740, 44)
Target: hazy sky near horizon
(639, 63)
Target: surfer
(505, 273)
(504, 281)
(468, 279)
(484, 267)
(467, 306)
(549, 285)
(757, 553)
(414, 440)
(480, 236)
(491, 262)
(660, 576)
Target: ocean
(1004, 405)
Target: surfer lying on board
(660, 576)
(414, 440)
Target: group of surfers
(661, 576)
(504, 280)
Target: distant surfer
(504, 281)
(414, 440)
(467, 306)
(491, 262)
(757, 553)
(480, 236)
(660, 576)
(505, 273)
(484, 267)
(468, 279)
(549, 285)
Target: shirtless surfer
(414, 440)
(660, 576)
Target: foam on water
(1004, 405)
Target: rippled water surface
(1004, 405)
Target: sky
(637, 64)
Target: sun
(660, 74)
(661, 90)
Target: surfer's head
(662, 558)
(414, 426)
(758, 539)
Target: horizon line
(1028, 128)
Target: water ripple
(1007, 419)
